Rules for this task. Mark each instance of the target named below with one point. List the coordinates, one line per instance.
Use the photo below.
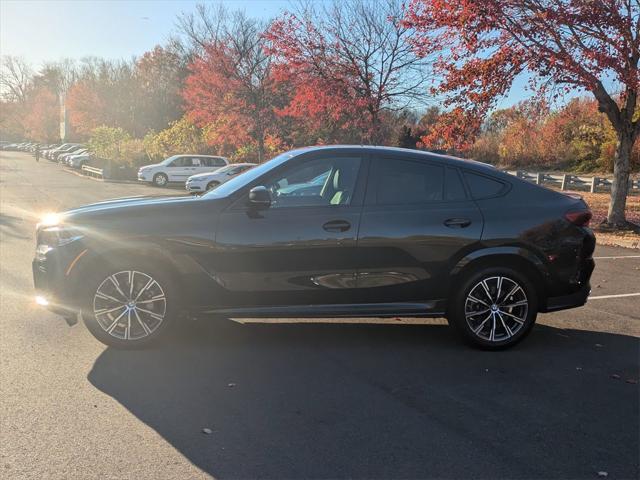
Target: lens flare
(50, 220)
(40, 300)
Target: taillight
(580, 218)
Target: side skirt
(435, 308)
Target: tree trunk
(620, 186)
(260, 147)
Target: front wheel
(160, 180)
(494, 308)
(129, 306)
(212, 185)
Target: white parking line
(601, 297)
(624, 256)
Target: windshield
(248, 176)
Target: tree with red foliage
(563, 44)
(231, 92)
(348, 62)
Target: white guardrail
(569, 182)
(92, 171)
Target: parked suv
(391, 232)
(178, 168)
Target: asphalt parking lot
(307, 400)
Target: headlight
(50, 220)
(58, 236)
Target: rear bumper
(565, 302)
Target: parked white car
(180, 167)
(206, 181)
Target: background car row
(199, 173)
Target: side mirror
(259, 197)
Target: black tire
(142, 329)
(212, 185)
(160, 180)
(501, 329)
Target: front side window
(403, 182)
(317, 182)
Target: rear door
(416, 223)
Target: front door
(301, 249)
(417, 220)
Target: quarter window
(483, 187)
(401, 182)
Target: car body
(203, 182)
(178, 168)
(392, 232)
(77, 161)
(59, 155)
(64, 157)
(50, 152)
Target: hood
(121, 204)
(202, 176)
(153, 165)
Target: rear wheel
(494, 307)
(160, 179)
(129, 306)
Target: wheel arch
(518, 258)
(146, 253)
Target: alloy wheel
(496, 308)
(129, 305)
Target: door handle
(337, 226)
(457, 222)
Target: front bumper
(53, 280)
(194, 187)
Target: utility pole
(63, 117)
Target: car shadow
(11, 226)
(384, 401)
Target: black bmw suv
(340, 231)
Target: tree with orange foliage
(564, 44)
(231, 92)
(42, 117)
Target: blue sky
(47, 30)
(53, 29)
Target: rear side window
(483, 187)
(402, 182)
(453, 188)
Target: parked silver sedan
(203, 182)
